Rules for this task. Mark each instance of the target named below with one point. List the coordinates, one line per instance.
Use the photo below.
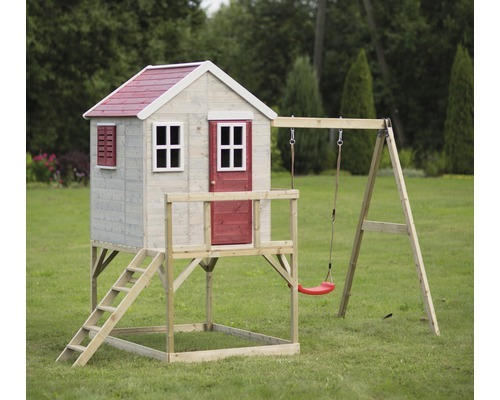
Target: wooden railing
(257, 247)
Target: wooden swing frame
(385, 135)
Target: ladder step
(121, 289)
(76, 347)
(107, 308)
(135, 269)
(94, 328)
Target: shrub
(406, 158)
(276, 160)
(459, 125)
(44, 169)
(435, 164)
(30, 173)
(75, 167)
(302, 98)
(357, 102)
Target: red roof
(141, 90)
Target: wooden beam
(235, 252)
(321, 123)
(284, 262)
(256, 223)
(93, 279)
(279, 269)
(258, 337)
(99, 261)
(212, 355)
(198, 247)
(386, 227)
(105, 263)
(294, 269)
(415, 246)
(169, 265)
(225, 196)
(112, 246)
(139, 330)
(186, 272)
(131, 347)
(207, 223)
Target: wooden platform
(271, 346)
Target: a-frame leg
(412, 232)
(403, 195)
(372, 174)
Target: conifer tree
(302, 98)
(357, 102)
(459, 125)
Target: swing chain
(292, 136)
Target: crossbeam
(322, 123)
(386, 227)
(225, 196)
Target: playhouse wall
(191, 107)
(116, 195)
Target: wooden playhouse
(180, 169)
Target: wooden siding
(116, 199)
(191, 107)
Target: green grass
(359, 357)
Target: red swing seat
(324, 288)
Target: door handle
(212, 182)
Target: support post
(256, 223)
(169, 265)
(93, 279)
(294, 298)
(377, 153)
(415, 246)
(208, 300)
(207, 227)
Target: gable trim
(206, 66)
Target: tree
(319, 37)
(459, 125)
(357, 102)
(302, 98)
(79, 51)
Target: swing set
(328, 285)
(137, 275)
(385, 134)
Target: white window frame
(168, 146)
(231, 146)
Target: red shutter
(106, 145)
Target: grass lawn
(360, 357)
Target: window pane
(238, 158)
(175, 158)
(161, 158)
(174, 135)
(224, 162)
(238, 135)
(224, 135)
(161, 135)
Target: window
(106, 145)
(168, 147)
(231, 147)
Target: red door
(230, 161)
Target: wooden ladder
(106, 305)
